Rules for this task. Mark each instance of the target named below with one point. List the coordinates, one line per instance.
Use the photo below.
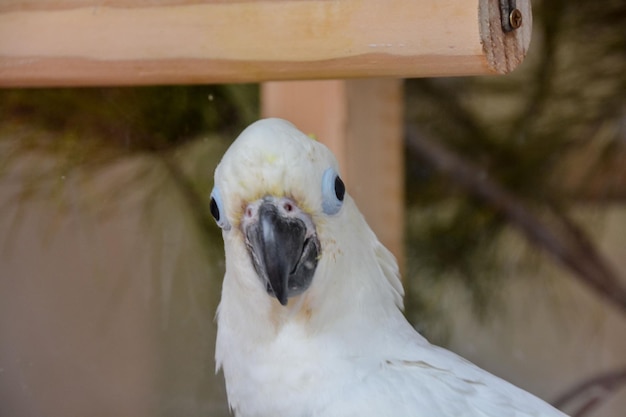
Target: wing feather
(439, 384)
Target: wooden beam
(132, 42)
(361, 121)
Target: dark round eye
(217, 210)
(333, 192)
(340, 188)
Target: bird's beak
(283, 245)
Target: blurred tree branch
(591, 392)
(558, 235)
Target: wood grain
(124, 42)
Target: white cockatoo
(310, 321)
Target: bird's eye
(340, 188)
(333, 192)
(217, 210)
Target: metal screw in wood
(515, 18)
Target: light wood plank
(130, 42)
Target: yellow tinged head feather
(272, 157)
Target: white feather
(343, 348)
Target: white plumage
(312, 325)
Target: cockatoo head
(276, 192)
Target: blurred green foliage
(143, 119)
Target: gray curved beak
(283, 246)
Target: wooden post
(361, 121)
(133, 42)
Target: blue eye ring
(217, 209)
(333, 192)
